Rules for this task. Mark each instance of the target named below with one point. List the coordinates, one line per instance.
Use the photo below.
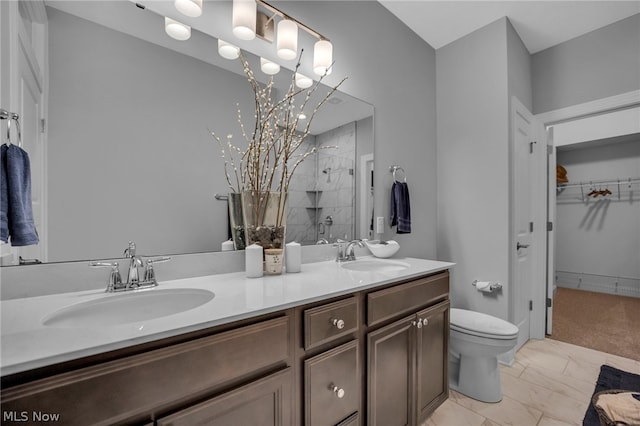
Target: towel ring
(9, 116)
(394, 170)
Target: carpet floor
(604, 322)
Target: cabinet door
(265, 402)
(391, 358)
(432, 359)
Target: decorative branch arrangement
(274, 146)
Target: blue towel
(400, 207)
(16, 191)
(4, 196)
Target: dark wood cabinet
(374, 357)
(407, 361)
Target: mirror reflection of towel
(16, 211)
(400, 208)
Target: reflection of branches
(271, 156)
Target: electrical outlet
(380, 225)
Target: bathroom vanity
(329, 346)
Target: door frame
(548, 120)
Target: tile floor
(549, 384)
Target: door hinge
(548, 302)
(531, 305)
(43, 124)
(531, 146)
(549, 226)
(530, 226)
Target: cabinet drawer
(402, 299)
(115, 391)
(327, 322)
(332, 385)
(263, 402)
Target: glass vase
(265, 224)
(236, 220)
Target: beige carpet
(603, 322)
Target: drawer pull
(338, 323)
(338, 391)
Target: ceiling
(540, 24)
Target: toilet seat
(481, 325)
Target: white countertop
(27, 344)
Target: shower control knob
(338, 323)
(519, 246)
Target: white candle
(293, 257)
(227, 245)
(253, 261)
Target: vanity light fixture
(244, 19)
(177, 30)
(191, 8)
(247, 22)
(228, 50)
(268, 67)
(302, 81)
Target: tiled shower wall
(324, 186)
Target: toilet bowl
(475, 341)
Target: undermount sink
(377, 265)
(128, 307)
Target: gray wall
(390, 67)
(599, 64)
(473, 167)
(477, 76)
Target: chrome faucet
(349, 251)
(346, 250)
(133, 277)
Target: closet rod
(621, 181)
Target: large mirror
(130, 156)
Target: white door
(523, 189)
(551, 240)
(24, 42)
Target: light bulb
(287, 39)
(302, 81)
(244, 19)
(176, 29)
(191, 8)
(268, 67)
(228, 50)
(322, 57)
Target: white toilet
(475, 341)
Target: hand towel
(4, 196)
(400, 208)
(22, 229)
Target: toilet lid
(480, 324)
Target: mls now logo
(23, 416)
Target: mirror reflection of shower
(327, 172)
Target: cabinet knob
(425, 322)
(417, 323)
(338, 391)
(338, 323)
